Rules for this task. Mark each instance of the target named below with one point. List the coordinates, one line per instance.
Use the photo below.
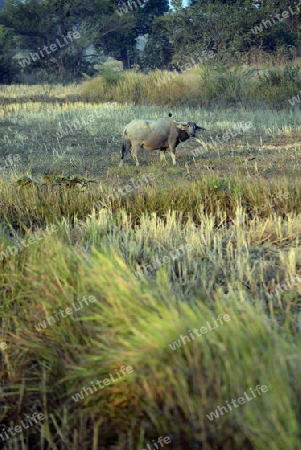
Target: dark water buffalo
(156, 134)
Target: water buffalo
(156, 134)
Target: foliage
(158, 49)
(6, 60)
(278, 86)
(110, 77)
(36, 23)
(226, 27)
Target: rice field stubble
(237, 205)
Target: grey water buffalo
(156, 134)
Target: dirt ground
(95, 152)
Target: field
(213, 242)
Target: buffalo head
(189, 128)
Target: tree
(141, 20)
(226, 26)
(40, 23)
(6, 61)
(158, 49)
(146, 15)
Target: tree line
(230, 28)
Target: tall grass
(204, 86)
(232, 268)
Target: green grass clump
(133, 324)
(277, 86)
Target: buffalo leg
(173, 155)
(162, 154)
(126, 145)
(134, 154)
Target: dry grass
(240, 221)
(230, 270)
(206, 85)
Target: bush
(278, 85)
(110, 76)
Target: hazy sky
(184, 2)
